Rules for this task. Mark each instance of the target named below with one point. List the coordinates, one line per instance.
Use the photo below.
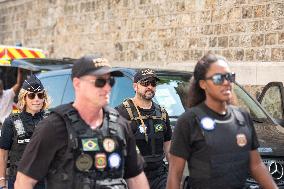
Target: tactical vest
(21, 137)
(151, 147)
(227, 145)
(94, 158)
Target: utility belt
(88, 183)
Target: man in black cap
(84, 144)
(18, 128)
(150, 125)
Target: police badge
(241, 140)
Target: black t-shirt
(188, 135)
(7, 131)
(49, 143)
(122, 111)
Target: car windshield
(171, 93)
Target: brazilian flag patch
(90, 144)
(159, 128)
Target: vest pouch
(84, 183)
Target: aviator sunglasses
(218, 79)
(146, 83)
(101, 82)
(33, 95)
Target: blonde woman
(18, 128)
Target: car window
(171, 93)
(121, 90)
(245, 101)
(69, 92)
(55, 86)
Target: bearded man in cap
(150, 125)
(18, 128)
(84, 144)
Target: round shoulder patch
(207, 123)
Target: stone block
(257, 40)
(238, 54)
(192, 42)
(234, 41)
(281, 38)
(235, 13)
(217, 29)
(186, 55)
(271, 39)
(202, 42)
(249, 55)
(275, 9)
(180, 6)
(245, 40)
(247, 12)
(266, 25)
(161, 56)
(208, 29)
(227, 54)
(225, 29)
(223, 41)
(259, 11)
(252, 26)
(277, 54)
(262, 54)
(213, 42)
(196, 54)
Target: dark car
(172, 94)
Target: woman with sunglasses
(217, 139)
(18, 128)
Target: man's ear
(202, 84)
(76, 82)
(135, 86)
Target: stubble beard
(147, 97)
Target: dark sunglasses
(146, 83)
(33, 95)
(218, 79)
(101, 82)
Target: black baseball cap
(93, 65)
(145, 74)
(33, 84)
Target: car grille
(276, 169)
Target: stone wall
(154, 33)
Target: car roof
(129, 72)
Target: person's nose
(227, 82)
(107, 86)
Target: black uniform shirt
(49, 143)
(7, 131)
(187, 136)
